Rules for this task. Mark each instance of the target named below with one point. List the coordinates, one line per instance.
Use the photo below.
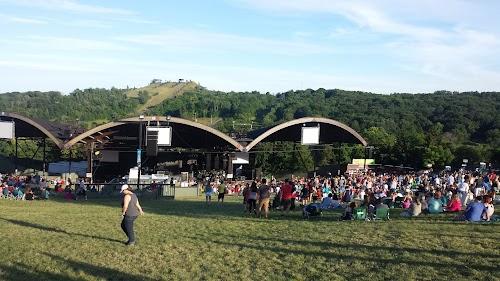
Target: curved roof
(55, 132)
(90, 132)
(173, 120)
(340, 131)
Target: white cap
(124, 187)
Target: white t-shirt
(451, 180)
(464, 187)
(478, 191)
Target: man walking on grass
(131, 209)
(264, 196)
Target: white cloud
(206, 41)
(454, 54)
(22, 20)
(68, 5)
(51, 43)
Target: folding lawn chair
(359, 213)
(382, 214)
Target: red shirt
(455, 206)
(286, 192)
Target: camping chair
(398, 202)
(359, 213)
(382, 214)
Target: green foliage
(143, 97)
(83, 105)
(408, 129)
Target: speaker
(152, 143)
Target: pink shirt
(455, 206)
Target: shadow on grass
(376, 254)
(57, 230)
(364, 247)
(195, 208)
(19, 271)
(233, 209)
(98, 271)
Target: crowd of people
(469, 194)
(23, 187)
(16, 187)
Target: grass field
(160, 92)
(185, 240)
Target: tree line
(416, 130)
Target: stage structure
(20, 128)
(170, 143)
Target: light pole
(139, 152)
(367, 149)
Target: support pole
(44, 167)
(364, 161)
(15, 160)
(139, 156)
(91, 164)
(69, 165)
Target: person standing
(208, 192)
(221, 189)
(286, 195)
(131, 209)
(81, 191)
(252, 198)
(264, 196)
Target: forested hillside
(413, 129)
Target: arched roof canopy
(331, 131)
(26, 127)
(186, 134)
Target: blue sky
(243, 45)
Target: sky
(272, 46)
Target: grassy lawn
(185, 240)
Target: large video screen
(164, 135)
(7, 130)
(310, 135)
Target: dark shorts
(221, 196)
(286, 203)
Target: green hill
(156, 93)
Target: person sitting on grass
(392, 201)
(407, 201)
(455, 204)
(474, 211)
(68, 194)
(328, 203)
(5, 192)
(414, 210)
(348, 212)
(18, 193)
(45, 194)
(435, 205)
(489, 208)
(29, 194)
(312, 209)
